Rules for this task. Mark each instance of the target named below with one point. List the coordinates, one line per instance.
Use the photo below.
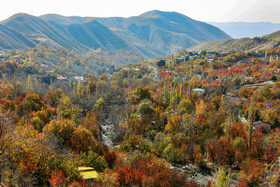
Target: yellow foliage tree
(174, 124)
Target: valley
(156, 99)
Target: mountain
(94, 35)
(151, 34)
(247, 29)
(65, 20)
(42, 32)
(167, 31)
(78, 37)
(244, 44)
(10, 39)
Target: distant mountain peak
(162, 13)
(20, 18)
(21, 14)
(24, 15)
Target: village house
(199, 90)
(218, 80)
(78, 78)
(182, 59)
(44, 65)
(259, 124)
(276, 71)
(222, 54)
(89, 175)
(61, 78)
(211, 53)
(248, 79)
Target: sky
(203, 10)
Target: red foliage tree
(57, 178)
(128, 176)
(242, 183)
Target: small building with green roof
(199, 90)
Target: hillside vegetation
(194, 119)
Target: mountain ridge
(247, 29)
(271, 40)
(152, 34)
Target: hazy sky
(203, 10)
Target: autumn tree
(53, 97)
(128, 176)
(245, 92)
(252, 169)
(40, 119)
(80, 89)
(185, 106)
(93, 159)
(251, 120)
(29, 154)
(32, 102)
(222, 178)
(62, 129)
(90, 122)
(82, 140)
(145, 108)
(57, 178)
(135, 142)
(174, 124)
(140, 93)
(6, 127)
(29, 84)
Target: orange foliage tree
(57, 178)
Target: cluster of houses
(108, 70)
(191, 56)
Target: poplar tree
(29, 84)
(51, 84)
(79, 89)
(251, 119)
